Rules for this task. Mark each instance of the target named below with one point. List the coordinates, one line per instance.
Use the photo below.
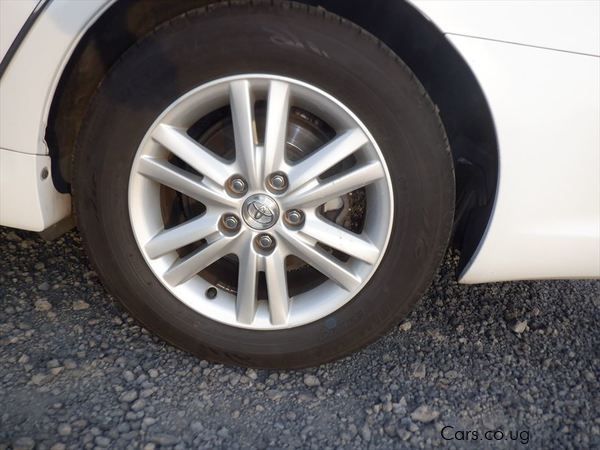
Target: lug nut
(265, 242)
(294, 217)
(238, 185)
(230, 222)
(277, 182)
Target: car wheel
(266, 185)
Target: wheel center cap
(260, 211)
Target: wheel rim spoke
(242, 115)
(246, 300)
(181, 235)
(278, 105)
(317, 193)
(191, 152)
(322, 261)
(185, 268)
(326, 157)
(341, 239)
(182, 181)
(277, 287)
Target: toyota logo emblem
(260, 211)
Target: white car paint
(29, 83)
(13, 14)
(36, 204)
(26, 89)
(546, 219)
(544, 95)
(568, 25)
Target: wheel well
(442, 71)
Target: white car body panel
(27, 86)
(26, 90)
(13, 14)
(568, 25)
(37, 204)
(546, 105)
(546, 218)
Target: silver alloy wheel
(317, 241)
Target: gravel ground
(78, 372)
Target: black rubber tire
(290, 40)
